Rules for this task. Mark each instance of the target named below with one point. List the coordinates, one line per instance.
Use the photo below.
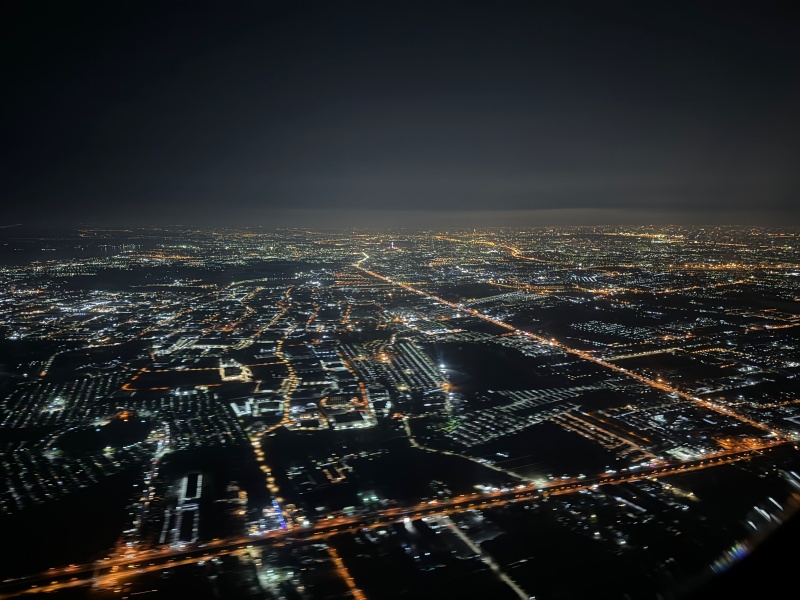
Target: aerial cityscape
(419, 300)
(311, 413)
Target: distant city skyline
(417, 114)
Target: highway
(111, 571)
(585, 355)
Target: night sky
(385, 114)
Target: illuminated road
(110, 571)
(486, 558)
(586, 355)
(513, 250)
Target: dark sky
(399, 113)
